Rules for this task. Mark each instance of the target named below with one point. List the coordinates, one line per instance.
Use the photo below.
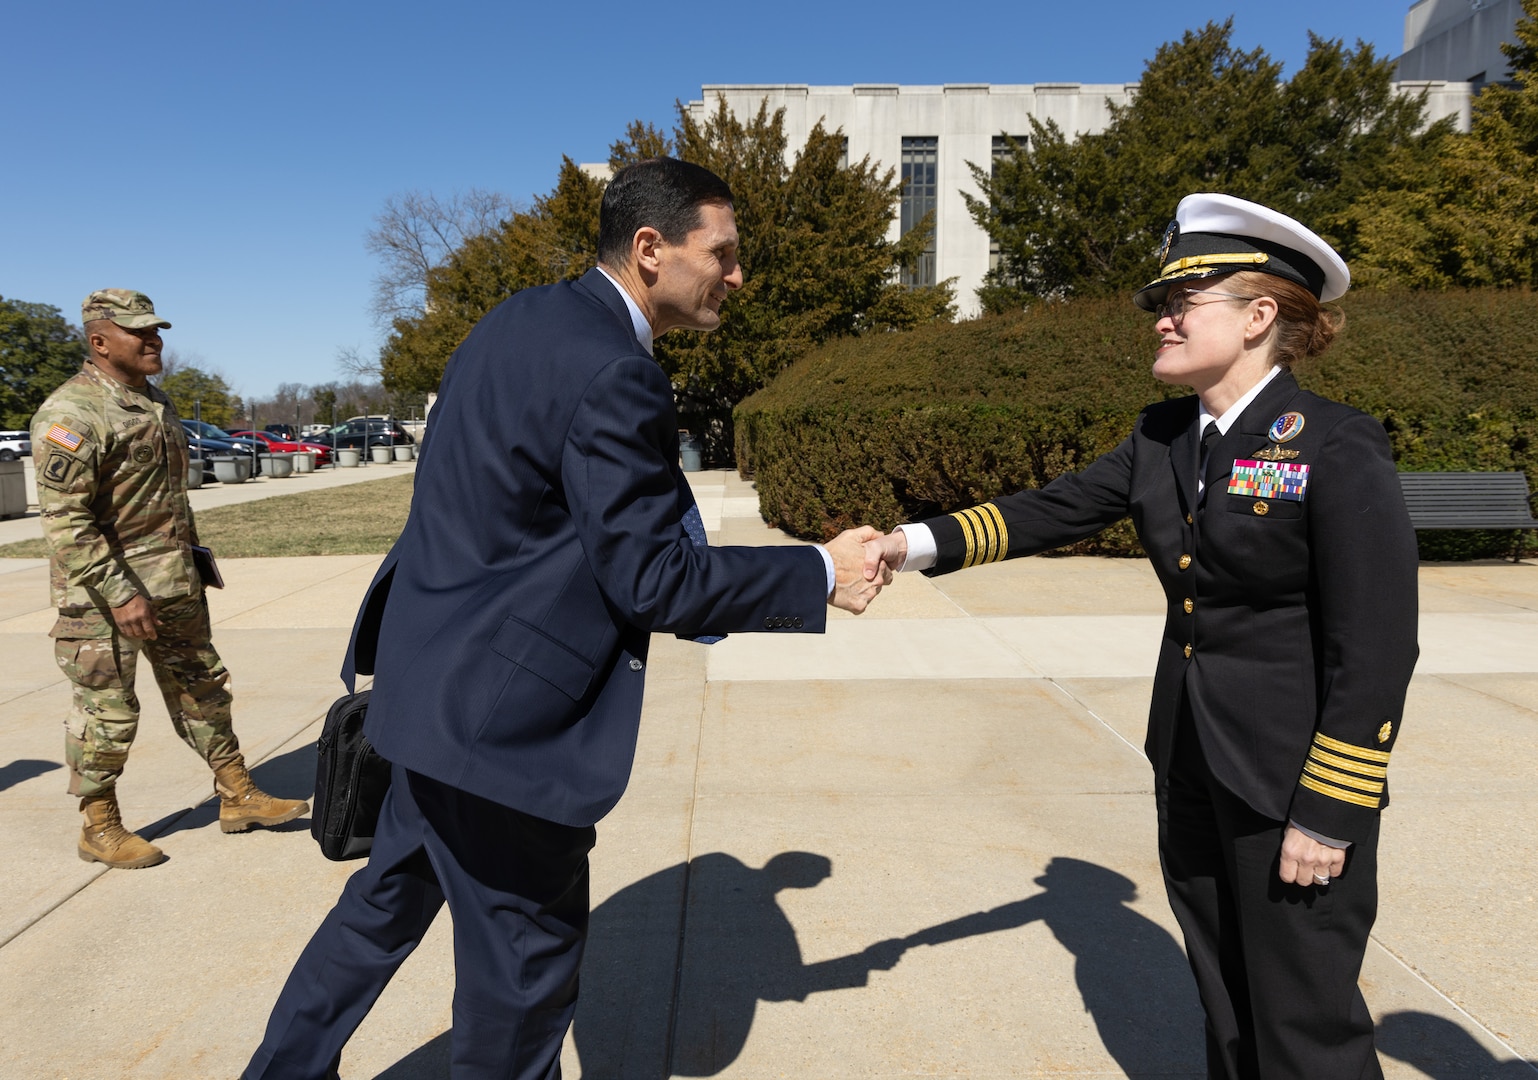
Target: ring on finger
(1321, 879)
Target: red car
(284, 446)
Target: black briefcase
(350, 783)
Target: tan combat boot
(103, 838)
(242, 804)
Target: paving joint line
(1459, 1009)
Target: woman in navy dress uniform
(1274, 521)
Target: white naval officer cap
(1219, 234)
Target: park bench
(1469, 500)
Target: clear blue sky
(227, 159)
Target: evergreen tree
(191, 386)
(1467, 213)
(1083, 217)
(38, 351)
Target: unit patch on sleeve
(60, 470)
(1269, 480)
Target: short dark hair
(663, 193)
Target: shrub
(890, 427)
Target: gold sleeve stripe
(997, 531)
(984, 530)
(1339, 747)
(1374, 787)
(1246, 258)
(1346, 763)
(969, 534)
(1336, 793)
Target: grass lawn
(361, 519)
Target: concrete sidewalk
(956, 774)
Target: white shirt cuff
(827, 564)
(922, 552)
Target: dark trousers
(517, 889)
(1276, 964)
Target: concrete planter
(231, 470)
(348, 459)
(381, 454)
(195, 473)
(403, 453)
(278, 465)
(13, 488)
(304, 461)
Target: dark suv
(365, 430)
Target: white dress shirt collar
(1235, 410)
(643, 329)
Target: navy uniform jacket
(1290, 625)
(507, 629)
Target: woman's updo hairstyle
(1304, 327)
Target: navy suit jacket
(507, 629)
(1290, 625)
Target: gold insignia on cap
(1171, 234)
(1386, 732)
(1194, 262)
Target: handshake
(864, 560)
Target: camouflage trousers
(101, 663)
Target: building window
(920, 178)
(1001, 153)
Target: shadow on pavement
(652, 1008)
(1443, 1050)
(24, 769)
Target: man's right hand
(136, 619)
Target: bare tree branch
(351, 360)
(415, 231)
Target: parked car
(280, 445)
(282, 431)
(205, 440)
(15, 444)
(377, 430)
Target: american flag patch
(64, 437)
(1269, 480)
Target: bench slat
(1467, 500)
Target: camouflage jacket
(112, 488)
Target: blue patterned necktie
(694, 525)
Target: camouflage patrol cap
(130, 310)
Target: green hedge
(890, 427)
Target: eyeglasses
(1178, 303)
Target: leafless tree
(416, 231)
(351, 360)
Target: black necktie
(1210, 435)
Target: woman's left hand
(1305, 861)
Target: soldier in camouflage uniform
(111, 478)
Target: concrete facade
(1459, 39)
(964, 119)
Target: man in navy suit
(550, 535)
